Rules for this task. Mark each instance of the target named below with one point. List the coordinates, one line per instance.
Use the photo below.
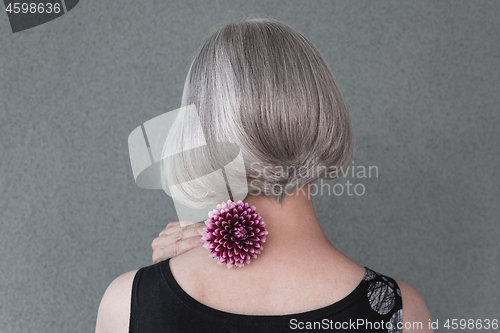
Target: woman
(263, 86)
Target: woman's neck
(297, 256)
(294, 233)
(291, 224)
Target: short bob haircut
(263, 86)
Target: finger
(164, 241)
(174, 228)
(194, 230)
(171, 228)
(176, 249)
(184, 224)
(172, 225)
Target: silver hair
(263, 86)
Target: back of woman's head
(265, 87)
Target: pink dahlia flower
(234, 233)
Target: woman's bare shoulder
(114, 310)
(414, 310)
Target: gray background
(421, 81)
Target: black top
(160, 305)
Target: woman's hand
(177, 238)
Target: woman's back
(299, 277)
(298, 270)
(300, 280)
(303, 281)
(160, 304)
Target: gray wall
(421, 81)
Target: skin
(177, 238)
(295, 240)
